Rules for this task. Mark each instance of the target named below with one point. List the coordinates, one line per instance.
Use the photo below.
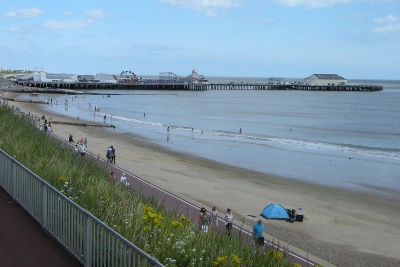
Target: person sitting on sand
(70, 139)
(292, 215)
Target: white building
(42, 76)
(325, 79)
(105, 78)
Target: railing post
(44, 205)
(87, 242)
(13, 179)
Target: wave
(283, 143)
(137, 121)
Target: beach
(342, 227)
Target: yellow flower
(276, 254)
(177, 223)
(147, 228)
(236, 259)
(148, 209)
(185, 219)
(221, 259)
(63, 179)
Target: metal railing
(87, 238)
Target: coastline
(342, 227)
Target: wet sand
(342, 227)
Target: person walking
(204, 220)
(85, 142)
(123, 179)
(76, 149)
(109, 154)
(113, 155)
(82, 149)
(214, 218)
(257, 233)
(228, 221)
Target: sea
(348, 140)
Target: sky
(356, 39)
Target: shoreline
(356, 224)
(370, 167)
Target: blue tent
(275, 211)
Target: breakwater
(198, 87)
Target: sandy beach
(342, 227)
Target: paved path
(24, 243)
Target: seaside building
(325, 79)
(42, 76)
(98, 78)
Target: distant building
(98, 78)
(42, 76)
(325, 79)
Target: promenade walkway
(24, 243)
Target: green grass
(170, 237)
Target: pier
(71, 87)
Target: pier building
(325, 79)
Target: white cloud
(387, 29)
(28, 38)
(265, 20)
(23, 13)
(391, 26)
(71, 25)
(210, 7)
(325, 3)
(313, 3)
(95, 13)
(18, 29)
(387, 19)
(68, 13)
